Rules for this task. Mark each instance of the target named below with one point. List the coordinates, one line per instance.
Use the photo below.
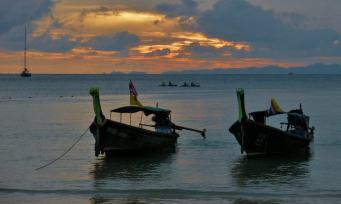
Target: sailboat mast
(25, 48)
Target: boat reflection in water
(132, 168)
(289, 169)
(123, 172)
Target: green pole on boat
(242, 116)
(241, 104)
(94, 92)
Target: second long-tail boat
(257, 138)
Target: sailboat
(25, 72)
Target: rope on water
(62, 155)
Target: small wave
(176, 193)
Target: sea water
(40, 117)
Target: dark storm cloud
(239, 20)
(184, 8)
(19, 12)
(13, 40)
(119, 42)
(15, 15)
(198, 51)
(47, 44)
(294, 19)
(320, 14)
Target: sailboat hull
(23, 74)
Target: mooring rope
(62, 155)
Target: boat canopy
(264, 114)
(274, 109)
(295, 112)
(295, 116)
(147, 110)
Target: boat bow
(99, 117)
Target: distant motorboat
(171, 84)
(194, 84)
(163, 84)
(185, 84)
(25, 72)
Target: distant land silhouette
(318, 68)
(129, 73)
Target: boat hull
(114, 139)
(260, 139)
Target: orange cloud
(156, 32)
(179, 40)
(106, 21)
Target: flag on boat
(274, 108)
(133, 95)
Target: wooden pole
(202, 132)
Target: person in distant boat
(163, 83)
(185, 84)
(170, 83)
(163, 123)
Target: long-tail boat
(114, 138)
(257, 138)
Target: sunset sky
(97, 36)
